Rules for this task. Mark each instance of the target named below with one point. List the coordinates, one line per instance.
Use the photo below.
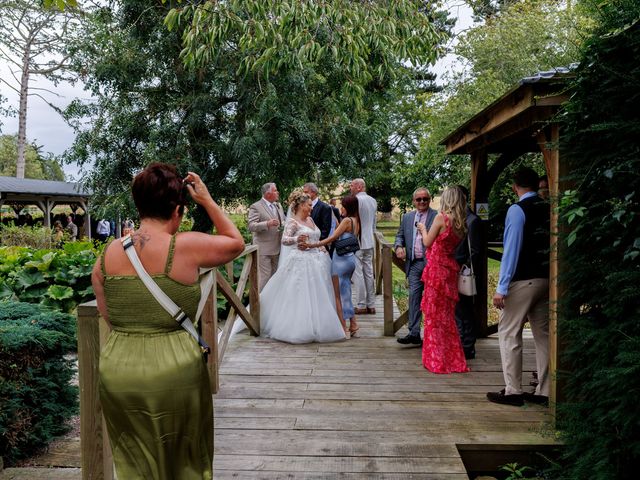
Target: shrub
(600, 316)
(36, 398)
(24, 236)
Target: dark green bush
(600, 312)
(36, 398)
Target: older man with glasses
(408, 247)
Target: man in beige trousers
(265, 222)
(522, 293)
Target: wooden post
(210, 335)
(480, 194)
(254, 292)
(549, 144)
(96, 458)
(387, 290)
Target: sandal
(354, 331)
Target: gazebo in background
(45, 194)
(524, 120)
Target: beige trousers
(267, 266)
(527, 300)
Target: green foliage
(518, 39)
(55, 278)
(600, 312)
(35, 237)
(515, 470)
(37, 166)
(314, 108)
(36, 398)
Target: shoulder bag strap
(162, 298)
(470, 259)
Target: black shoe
(469, 354)
(538, 399)
(499, 397)
(410, 340)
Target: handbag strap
(470, 259)
(162, 298)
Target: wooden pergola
(524, 120)
(45, 194)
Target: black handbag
(346, 245)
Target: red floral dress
(442, 350)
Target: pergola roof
(510, 124)
(45, 188)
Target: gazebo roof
(512, 121)
(30, 188)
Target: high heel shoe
(347, 334)
(354, 331)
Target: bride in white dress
(297, 305)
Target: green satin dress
(154, 386)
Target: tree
(36, 166)
(287, 91)
(32, 42)
(599, 315)
(518, 40)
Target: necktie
(418, 249)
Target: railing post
(387, 290)
(254, 292)
(210, 335)
(96, 458)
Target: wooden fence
(97, 461)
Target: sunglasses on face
(423, 199)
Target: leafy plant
(36, 397)
(599, 316)
(515, 470)
(55, 278)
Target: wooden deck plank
(331, 464)
(362, 408)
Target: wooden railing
(384, 260)
(97, 461)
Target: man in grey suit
(265, 220)
(408, 247)
(365, 290)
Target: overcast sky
(46, 127)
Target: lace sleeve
(289, 236)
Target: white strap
(162, 298)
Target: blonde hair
(454, 204)
(297, 198)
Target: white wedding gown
(297, 305)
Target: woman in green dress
(154, 386)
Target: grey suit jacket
(267, 239)
(407, 232)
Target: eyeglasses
(422, 199)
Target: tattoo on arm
(140, 239)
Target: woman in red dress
(441, 350)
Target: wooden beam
(210, 335)
(96, 459)
(549, 144)
(387, 293)
(230, 294)
(479, 194)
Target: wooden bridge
(364, 408)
